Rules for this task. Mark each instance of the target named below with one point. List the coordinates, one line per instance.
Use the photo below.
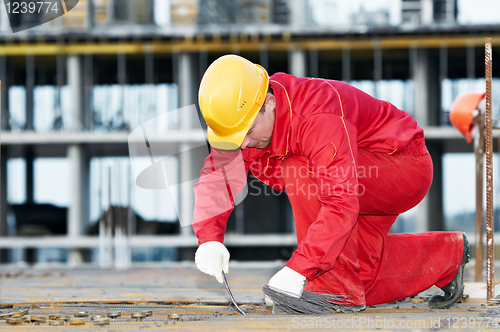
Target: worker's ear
(270, 102)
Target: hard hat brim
(468, 135)
(229, 142)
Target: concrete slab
(203, 304)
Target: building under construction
(75, 88)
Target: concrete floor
(179, 288)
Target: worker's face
(260, 133)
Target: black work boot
(454, 290)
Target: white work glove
(289, 281)
(212, 258)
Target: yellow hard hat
(232, 91)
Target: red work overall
(349, 164)
(375, 267)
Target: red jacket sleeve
(329, 142)
(222, 177)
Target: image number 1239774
(26, 14)
(24, 7)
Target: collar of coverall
(281, 131)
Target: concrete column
(313, 63)
(377, 67)
(3, 200)
(187, 80)
(29, 157)
(3, 156)
(297, 62)
(202, 63)
(3, 192)
(443, 63)
(30, 86)
(4, 109)
(76, 84)
(430, 214)
(149, 73)
(78, 210)
(433, 202)
(187, 73)
(471, 66)
(426, 12)
(188, 85)
(264, 57)
(89, 88)
(297, 13)
(28, 154)
(425, 72)
(4, 20)
(471, 62)
(346, 65)
(90, 14)
(424, 68)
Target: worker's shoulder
(290, 82)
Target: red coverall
(350, 164)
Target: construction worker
(366, 162)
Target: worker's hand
(289, 281)
(212, 258)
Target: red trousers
(376, 267)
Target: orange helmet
(461, 112)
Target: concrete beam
(146, 241)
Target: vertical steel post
(490, 253)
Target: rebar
(490, 254)
(309, 303)
(231, 294)
(479, 152)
